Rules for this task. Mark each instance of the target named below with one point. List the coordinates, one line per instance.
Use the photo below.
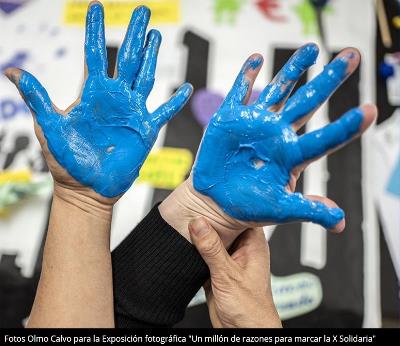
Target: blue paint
(313, 94)
(386, 70)
(394, 181)
(103, 141)
(248, 152)
(286, 79)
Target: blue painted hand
(251, 155)
(103, 138)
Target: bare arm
(76, 270)
(94, 150)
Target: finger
(251, 246)
(339, 227)
(130, 54)
(34, 94)
(210, 246)
(311, 95)
(145, 79)
(241, 89)
(173, 106)
(300, 208)
(336, 134)
(282, 85)
(95, 46)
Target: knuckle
(211, 248)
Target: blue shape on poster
(9, 6)
(394, 181)
(18, 60)
(9, 109)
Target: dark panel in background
(184, 131)
(198, 316)
(112, 52)
(344, 267)
(16, 291)
(344, 272)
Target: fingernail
(199, 227)
(10, 75)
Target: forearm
(75, 287)
(156, 273)
(156, 269)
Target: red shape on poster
(268, 9)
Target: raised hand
(251, 156)
(101, 141)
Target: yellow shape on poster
(118, 12)
(166, 167)
(21, 176)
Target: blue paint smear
(248, 152)
(103, 141)
(394, 181)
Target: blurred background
(319, 279)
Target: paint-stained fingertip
(339, 227)
(351, 56)
(338, 220)
(307, 54)
(95, 4)
(95, 12)
(155, 36)
(13, 74)
(142, 10)
(311, 46)
(253, 62)
(186, 89)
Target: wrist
(83, 201)
(271, 319)
(262, 315)
(185, 204)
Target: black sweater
(156, 272)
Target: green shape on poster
(308, 16)
(227, 10)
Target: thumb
(209, 244)
(34, 94)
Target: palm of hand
(260, 153)
(251, 155)
(102, 140)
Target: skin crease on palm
(251, 156)
(102, 140)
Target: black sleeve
(156, 272)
